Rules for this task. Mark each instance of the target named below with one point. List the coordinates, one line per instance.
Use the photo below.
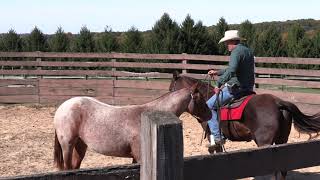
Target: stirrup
(213, 142)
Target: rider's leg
(214, 128)
(213, 123)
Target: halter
(174, 85)
(208, 79)
(198, 118)
(192, 97)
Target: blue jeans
(213, 123)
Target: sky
(121, 15)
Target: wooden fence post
(184, 61)
(114, 79)
(113, 69)
(39, 67)
(161, 146)
(39, 77)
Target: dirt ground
(27, 134)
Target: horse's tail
(57, 154)
(302, 122)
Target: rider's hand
(212, 73)
(216, 90)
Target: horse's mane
(99, 102)
(164, 95)
(199, 81)
(195, 80)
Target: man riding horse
(234, 81)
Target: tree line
(168, 37)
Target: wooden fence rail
(41, 76)
(181, 57)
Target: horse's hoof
(211, 149)
(214, 149)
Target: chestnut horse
(82, 122)
(266, 119)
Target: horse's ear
(194, 88)
(175, 75)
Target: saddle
(233, 109)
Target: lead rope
(207, 79)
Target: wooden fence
(162, 158)
(38, 77)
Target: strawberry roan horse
(266, 119)
(82, 122)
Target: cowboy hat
(230, 35)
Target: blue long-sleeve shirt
(240, 71)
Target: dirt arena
(27, 134)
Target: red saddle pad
(234, 113)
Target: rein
(209, 79)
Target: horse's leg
(263, 138)
(57, 154)
(285, 123)
(67, 149)
(265, 135)
(67, 155)
(79, 152)
(219, 149)
(135, 150)
(282, 138)
(67, 142)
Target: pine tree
(193, 38)
(295, 35)
(315, 51)
(212, 43)
(36, 41)
(1, 43)
(269, 43)
(204, 46)
(132, 41)
(247, 31)
(107, 42)
(304, 48)
(59, 42)
(84, 42)
(221, 28)
(11, 41)
(165, 35)
(186, 37)
(147, 43)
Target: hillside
(311, 26)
